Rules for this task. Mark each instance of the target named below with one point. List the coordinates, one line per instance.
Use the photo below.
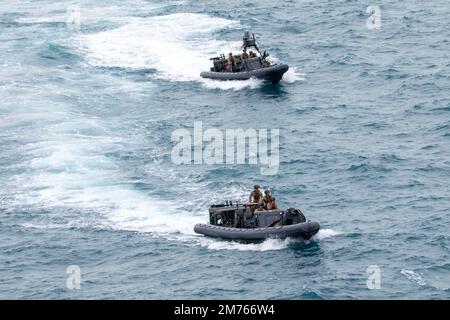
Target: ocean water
(86, 117)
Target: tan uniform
(230, 64)
(255, 196)
(270, 202)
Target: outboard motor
(292, 216)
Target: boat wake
(69, 167)
(413, 276)
(70, 172)
(176, 46)
(266, 245)
(325, 233)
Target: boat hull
(303, 230)
(273, 73)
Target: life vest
(256, 195)
(268, 199)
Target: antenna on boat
(229, 47)
(250, 41)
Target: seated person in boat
(269, 201)
(231, 62)
(260, 207)
(256, 195)
(252, 54)
(244, 55)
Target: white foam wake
(69, 169)
(70, 173)
(414, 277)
(292, 76)
(176, 46)
(325, 233)
(267, 245)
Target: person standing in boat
(256, 195)
(231, 61)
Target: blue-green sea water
(86, 117)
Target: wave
(325, 233)
(69, 173)
(69, 169)
(414, 277)
(267, 245)
(178, 45)
(292, 75)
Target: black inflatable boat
(244, 66)
(273, 73)
(242, 222)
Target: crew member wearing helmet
(255, 195)
(269, 201)
(230, 63)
